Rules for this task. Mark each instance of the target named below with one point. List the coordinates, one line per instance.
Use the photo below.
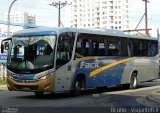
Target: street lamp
(8, 21)
(59, 5)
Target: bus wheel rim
(134, 82)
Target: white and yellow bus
(70, 60)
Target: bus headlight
(45, 77)
(10, 75)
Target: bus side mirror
(2, 48)
(6, 45)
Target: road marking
(131, 90)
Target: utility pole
(8, 21)
(59, 5)
(146, 17)
(158, 34)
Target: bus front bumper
(46, 85)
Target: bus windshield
(32, 54)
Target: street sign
(3, 58)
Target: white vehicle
(70, 59)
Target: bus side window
(64, 49)
(130, 47)
(125, 47)
(114, 47)
(99, 47)
(145, 48)
(83, 45)
(90, 45)
(80, 47)
(153, 48)
(137, 47)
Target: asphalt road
(100, 100)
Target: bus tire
(133, 81)
(78, 85)
(39, 94)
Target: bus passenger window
(114, 48)
(96, 49)
(82, 47)
(79, 51)
(153, 48)
(99, 49)
(64, 49)
(137, 47)
(145, 48)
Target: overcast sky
(46, 15)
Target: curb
(3, 87)
(154, 97)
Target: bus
(74, 59)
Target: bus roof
(56, 30)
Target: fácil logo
(91, 65)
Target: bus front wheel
(39, 94)
(78, 85)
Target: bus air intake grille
(23, 87)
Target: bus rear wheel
(133, 81)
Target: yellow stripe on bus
(93, 73)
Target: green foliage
(2, 82)
(158, 92)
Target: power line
(146, 21)
(157, 6)
(156, 1)
(59, 5)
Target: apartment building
(109, 14)
(21, 17)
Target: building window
(126, 1)
(104, 22)
(111, 27)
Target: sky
(153, 15)
(47, 15)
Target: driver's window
(64, 48)
(18, 53)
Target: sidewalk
(154, 97)
(3, 87)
